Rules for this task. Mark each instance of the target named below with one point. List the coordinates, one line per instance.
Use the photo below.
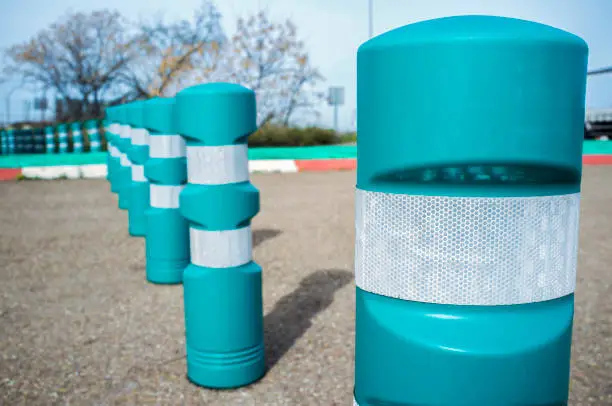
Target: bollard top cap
(159, 115)
(452, 105)
(62, 127)
(135, 114)
(471, 29)
(215, 114)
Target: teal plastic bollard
(3, 143)
(77, 138)
(50, 140)
(93, 136)
(62, 138)
(467, 208)
(222, 285)
(124, 173)
(138, 154)
(166, 170)
(10, 139)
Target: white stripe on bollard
(123, 159)
(165, 196)
(466, 250)
(218, 165)
(114, 151)
(166, 146)
(220, 249)
(139, 136)
(94, 144)
(138, 173)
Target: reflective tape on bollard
(165, 196)
(466, 250)
(220, 249)
(218, 165)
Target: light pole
(370, 18)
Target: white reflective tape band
(94, 143)
(466, 250)
(217, 165)
(114, 151)
(166, 146)
(114, 128)
(63, 144)
(139, 136)
(92, 131)
(220, 249)
(124, 131)
(77, 144)
(165, 196)
(123, 159)
(138, 173)
(62, 135)
(76, 133)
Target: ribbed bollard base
(165, 272)
(226, 370)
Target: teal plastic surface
(124, 173)
(411, 353)
(447, 93)
(468, 106)
(77, 137)
(138, 155)
(62, 138)
(138, 205)
(216, 114)
(167, 258)
(220, 207)
(159, 115)
(93, 135)
(225, 347)
(50, 140)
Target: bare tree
(172, 51)
(269, 59)
(80, 58)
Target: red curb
(597, 159)
(319, 165)
(9, 173)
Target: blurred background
(65, 60)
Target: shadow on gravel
(263, 234)
(292, 315)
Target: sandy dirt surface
(79, 324)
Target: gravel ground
(80, 325)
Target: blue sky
(333, 29)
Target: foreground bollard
(166, 170)
(467, 230)
(222, 286)
(138, 153)
(93, 136)
(50, 140)
(62, 138)
(77, 138)
(124, 173)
